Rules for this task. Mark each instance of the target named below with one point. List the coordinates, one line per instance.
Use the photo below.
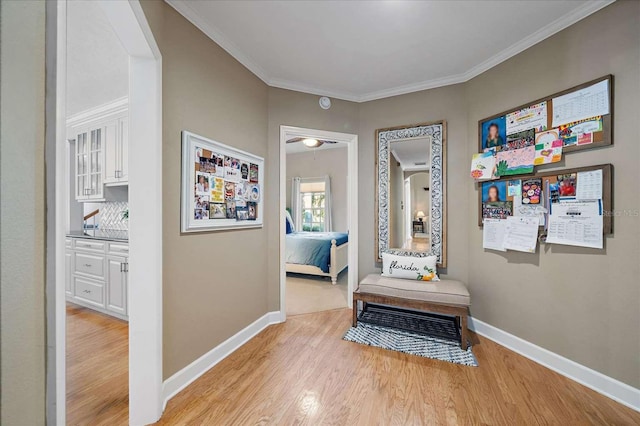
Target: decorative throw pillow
(289, 223)
(409, 267)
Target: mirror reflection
(409, 198)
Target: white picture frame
(193, 197)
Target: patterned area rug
(410, 343)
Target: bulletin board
(496, 199)
(222, 186)
(554, 113)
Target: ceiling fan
(310, 142)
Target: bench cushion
(446, 292)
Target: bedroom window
(312, 206)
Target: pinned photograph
(207, 165)
(494, 133)
(241, 191)
(493, 192)
(254, 193)
(244, 171)
(200, 214)
(241, 203)
(229, 190)
(567, 185)
(253, 210)
(231, 209)
(514, 188)
(253, 173)
(497, 210)
(219, 161)
(202, 202)
(242, 213)
(521, 139)
(217, 211)
(202, 183)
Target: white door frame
(286, 133)
(408, 214)
(145, 235)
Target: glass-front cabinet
(89, 164)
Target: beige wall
(580, 303)
(213, 283)
(332, 162)
(22, 292)
(446, 103)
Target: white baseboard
(183, 378)
(607, 386)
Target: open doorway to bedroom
(319, 211)
(317, 216)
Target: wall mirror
(411, 190)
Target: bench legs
(355, 312)
(463, 332)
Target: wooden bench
(446, 297)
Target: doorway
(145, 236)
(308, 203)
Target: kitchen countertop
(101, 234)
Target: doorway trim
(408, 214)
(286, 133)
(145, 236)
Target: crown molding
(183, 8)
(565, 21)
(312, 90)
(101, 111)
(587, 8)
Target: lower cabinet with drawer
(97, 275)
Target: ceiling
(97, 63)
(412, 154)
(365, 50)
(299, 147)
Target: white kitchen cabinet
(102, 149)
(89, 164)
(97, 275)
(117, 151)
(117, 268)
(88, 292)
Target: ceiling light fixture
(311, 143)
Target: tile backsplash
(110, 216)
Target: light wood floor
(417, 244)
(97, 368)
(301, 372)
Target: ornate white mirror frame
(436, 133)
